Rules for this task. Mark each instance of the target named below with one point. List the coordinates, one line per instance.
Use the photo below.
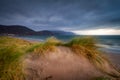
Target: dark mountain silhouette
(15, 29)
(58, 32)
(22, 30)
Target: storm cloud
(66, 15)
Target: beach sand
(115, 59)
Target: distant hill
(44, 32)
(22, 30)
(58, 32)
(15, 29)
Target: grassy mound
(12, 50)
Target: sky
(93, 17)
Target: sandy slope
(63, 64)
(115, 59)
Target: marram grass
(44, 47)
(41, 48)
(86, 47)
(11, 51)
(88, 42)
(81, 46)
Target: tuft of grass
(44, 47)
(85, 46)
(53, 40)
(41, 48)
(11, 51)
(88, 42)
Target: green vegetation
(11, 49)
(88, 42)
(45, 47)
(41, 48)
(54, 41)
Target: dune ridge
(64, 64)
(53, 59)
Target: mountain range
(23, 30)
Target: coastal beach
(59, 39)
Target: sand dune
(63, 64)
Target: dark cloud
(61, 14)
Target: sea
(106, 43)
